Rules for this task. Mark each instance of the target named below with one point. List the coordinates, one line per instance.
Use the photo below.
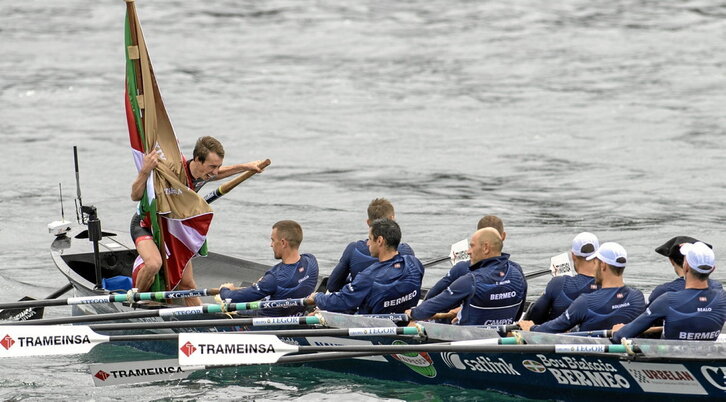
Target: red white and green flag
(179, 217)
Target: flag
(179, 217)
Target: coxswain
(697, 312)
(390, 285)
(356, 256)
(492, 293)
(205, 166)
(562, 290)
(612, 303)
(672, 250)
(294, 277)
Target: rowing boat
(659, 369)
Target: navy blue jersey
(391, 286)
(676, 285)
(689, 314)
(600, 309)
(355, 259)
(283, 281)
(561, 291)
(492, 293)
(459, 269)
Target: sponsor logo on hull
(664, 378)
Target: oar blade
(202, 349)
(22, 314)
(37, 340)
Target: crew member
(206, 165)
(697, 312)
(462, 268)
(612, 303)
(356, 256)
(390, 285)
(672, 250)
(562, 290)
(294, 277)
(492, 293)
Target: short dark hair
(204, 146)
(380, 208)
(699, 275)
(389, 230)
(491, 221)
(616, 270)
(290, 231)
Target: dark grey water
(557, 116)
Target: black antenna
(60, 191)
(79, 201)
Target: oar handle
(228, 186)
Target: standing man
(562, 290)
(612, 303)
(294, 277)
(697, 312)
(672, 250)
(206, 165)
(356, 256)
(390, 285)
(462, 268)
(491, 294)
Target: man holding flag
(205, 166)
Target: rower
(462, 268)
(390, 285)
(672, 250)
(492, 293)
(612, 303)
(206, 165)
(562, 290)
(294, 277)
(356, 256)
(697, 312)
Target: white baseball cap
(585, 244)
(611, 253)
(699, 256)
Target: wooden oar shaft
(228, 186)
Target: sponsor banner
(715, 375)
(372, 331)
(420, 363)
(171, 312)
(580, 371)
(581, 348)
(482, 364)
(333, 341)
(270, 321)
(105, 374)
(230, 349)
(88, 300)
(664, 378)
(31, 340)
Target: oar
(43, 340)
(434, 261)
(27, 312)
(237, 349)
(170, 312)
(114, 298)
(228, 186)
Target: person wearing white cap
(612, 303)
(672, 250)
(696, 313)
(562, 290)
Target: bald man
(493, 293)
